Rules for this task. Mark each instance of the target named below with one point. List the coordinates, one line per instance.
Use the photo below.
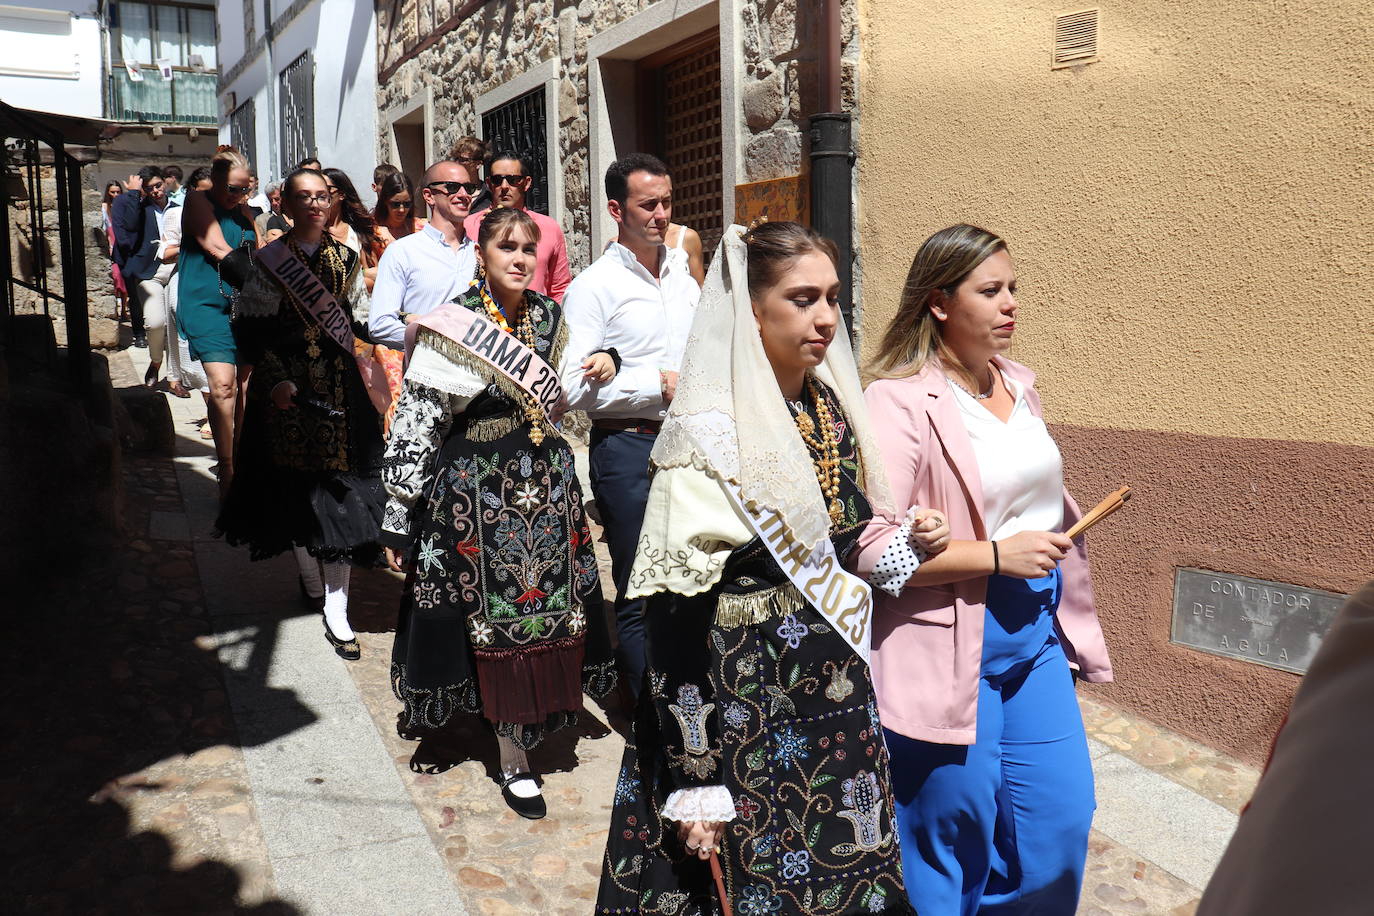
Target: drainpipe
(276, 170)
(832, 158)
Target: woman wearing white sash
(308, 468)
(759, 732)
(502, 611)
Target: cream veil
(728, 419)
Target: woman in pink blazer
(973, 651)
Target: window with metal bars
(519, 127)
(296, 92)
(243, 130)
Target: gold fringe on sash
(734, 610)
(493, 428)
(456, 353)
(489, 429)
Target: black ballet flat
(532, 808)
(348, 650)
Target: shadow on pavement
(111, 670)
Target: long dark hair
(393, 184)
(353, 212)
(112, 183)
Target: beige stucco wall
(1190, 216)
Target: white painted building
(130, 61)
(53, 57)
(299, 80)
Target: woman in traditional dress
(502, 612)
(351, 223)
(309, 468)
(216, 235)
(759, 732)
(975, 660)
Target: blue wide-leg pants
(1001, 827)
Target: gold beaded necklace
(332, 272)
(524, 332)
(825, 451)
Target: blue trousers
(1001, 827)
(618, 467)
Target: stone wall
(502, 40)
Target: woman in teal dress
(215, 228)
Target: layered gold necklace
(825, 450)
(524, 332)
(332, 273)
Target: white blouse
(1019, 464)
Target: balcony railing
(188, 98)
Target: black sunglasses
(400, 204)
(238, 189)
(513, 180)
(453, 187)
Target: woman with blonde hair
(217, 236)
(974, 659)
(757, 734)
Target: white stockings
(336, 599)
(513, 760)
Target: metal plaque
(1268, 623)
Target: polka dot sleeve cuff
(898, 562)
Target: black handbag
(233, 268)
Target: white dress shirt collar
(630, 262)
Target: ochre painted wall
(1190, 217)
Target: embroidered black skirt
(502, 612)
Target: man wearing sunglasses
(421, 271)
(509, 180)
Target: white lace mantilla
(712, 804)
(729, 422)
(724, 421)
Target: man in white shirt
(636, 301)
(421, 271)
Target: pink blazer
(928, 644)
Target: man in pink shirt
(508, 177)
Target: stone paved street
(200, 749)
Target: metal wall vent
(1075, 39)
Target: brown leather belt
(629, 425)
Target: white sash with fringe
(842, 598)
(485, 341)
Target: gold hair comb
(754, 224)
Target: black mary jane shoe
(348, 650)
(532, 808)
(311, 602)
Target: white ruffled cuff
(899, 561)
(713, 804)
